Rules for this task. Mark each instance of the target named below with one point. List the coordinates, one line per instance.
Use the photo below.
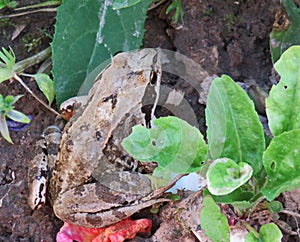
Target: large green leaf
(177, 146)
(282, 163)
(287, 30)
(88, 33)
(283, 103)
(213, 222)
(234, 130)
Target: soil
(225, 37)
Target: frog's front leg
(95, 205)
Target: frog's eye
(153, 77)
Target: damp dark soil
(224, 37)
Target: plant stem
(155, 5)
(290, 213)
(43, 4)
(29, 12)
(39, 57)
(36, 97)
(251, 229)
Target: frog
(94, 181)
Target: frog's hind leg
(95, 206)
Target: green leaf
(282, 38)
(88, 33)
(12, 4)
(15, 98)
(239, 198)
(283, 103)
(234, 130)
(3, 3)
(267, 232)
(118, 4)
(7, 62)
(18, 116)
(46, 85)
(213, 222)
(270, 232)
(275, 206)
(282, 164)
(4, 129)
(177, 146)
(224, 176)
(250, 237)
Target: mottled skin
(90, 187)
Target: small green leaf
(7, 62)
(213, 222)
(46, 85)
(283, 103)
(275, 206)
(282, 164)
(18, 116)
(12, 4)
(4, 129)
(270, 232)
(118, 4)
(7, 3)
(177, 146)
(224, 176)
(234, 130)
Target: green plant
(240, 169)
(7, 3)
(177, 5)
(7, 111)
(9, 69)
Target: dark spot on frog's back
(113, 98)
(80, 191)
(69, 145)
(98, 135)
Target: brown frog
(93, 184)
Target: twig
(29, 12)
(36, 97)
(155, 5)
(290, 213)
(38, 5)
